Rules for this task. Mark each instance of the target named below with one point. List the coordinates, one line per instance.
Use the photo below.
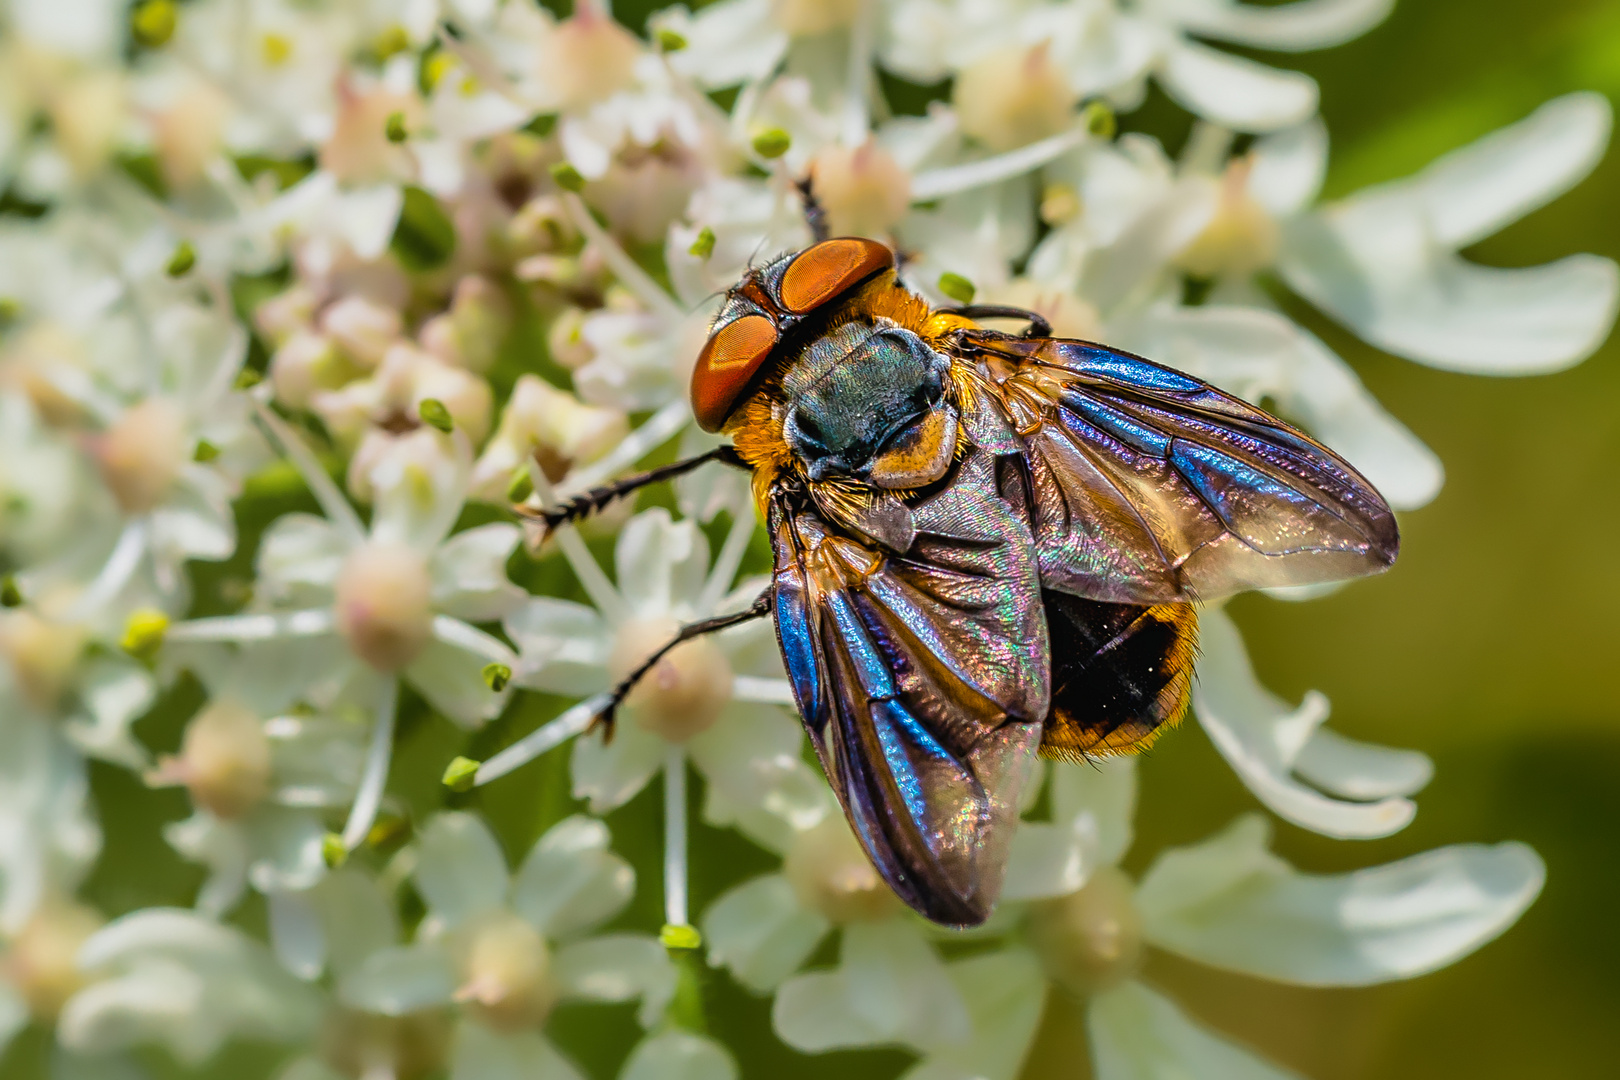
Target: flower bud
(42, 962)
(685, 692)
(285, 313)
(87, 116)
(802, 18)
(553, 426)
(1240, 239)
(308, 362)
(359, 150)
(42, 655)
(832, 875)
(588, 57)
(362, 328)
(566, 339)
(188, 133)
(472, 332)
(1013, 96)
(224, 760)
(507, 975)
(864, 191)
(540, 225)
(384, 604)
(1089, 940)
(140, 456)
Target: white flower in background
(521, 945)
(1226, 902)
(550, 425)
(180, 980)
(260, 787)
(343, 613)
(890, 985)
(1111, 49)
(1385, 261)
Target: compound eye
(829, 268)
(728, 360)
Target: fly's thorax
(869, 400)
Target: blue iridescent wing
(922, 678)
(1145, 486)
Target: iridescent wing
(1146, 486)
(922, 680)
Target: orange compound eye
(830, 267)
(728, 360)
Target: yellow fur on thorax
(756, 426)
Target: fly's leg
(760, 608)
(1038, 326)
(589, 502)
(815, 215)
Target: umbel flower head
(298, 300)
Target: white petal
(618, 967)
(1005, 992)
(356, 917)
(419, 486)
(750, 752)
(460, 870)
(399, 980)
(222, 847)
(674, 1054)
(761, 932)
(1375, 269)
(729, 42)
(1261, 738)
(889, 987)
(1230, 903)
(450, 673)
(286, 847)
(570, 881)
(1473, 192)
(296, 934)
(610, 774)
(481, 1054)
(1236, 92)
(299, 559)
(1298, 26)
(1358, 770)
(115, 692)
(661, 563)
(565, 647)
(469, 574)
(1288, 167)
(1092, 808)
(1138, 1035)
(196, 522)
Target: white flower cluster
(426, 258)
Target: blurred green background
(1490, 646)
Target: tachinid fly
(988, 547)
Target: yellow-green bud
(956, 287)
(567, 177)
(496, 676)
(461, 774)
(703, 246)
(183, 259)
(668, 40)
(247, 379)
(10, 594)
(205, 452)
(333, 851)
(772, 143)
(394, 127)
(1099, 119)
(153, 22)
(521, 485)
(680, 937)
(435, 415)
(143, 633)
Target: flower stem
(541, 739)
(675, 913)
(363, 814)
